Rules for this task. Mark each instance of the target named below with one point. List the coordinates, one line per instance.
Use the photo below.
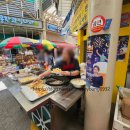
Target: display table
(45, 111)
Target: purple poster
(97, 58)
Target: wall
(121, 66)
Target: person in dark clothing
(69, 66)
(97, 80)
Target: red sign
(125, 17)
(98, 23)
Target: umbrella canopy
(11, 42)
(48, 45)
(17, 41)
(4, 42)
(33, 41)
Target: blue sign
(108, 24)
(20, 21)
(53, 28)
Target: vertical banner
(67, 22)
(97, 58)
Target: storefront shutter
(15, 10)
(3, 8)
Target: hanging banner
(122, 48)
(97, 58)
(80, 17)
(67, 22)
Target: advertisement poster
(122, 48)
(125, 19)
(97, 58)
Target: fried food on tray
(36, 84)
(56, 71)
(41, 92)
(38, 88)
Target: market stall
(44, 112)
(42, 99)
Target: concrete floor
(11, 116)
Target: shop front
(124, 35)
(121, 71)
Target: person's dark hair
(71, 54)
(59, 51)
(97, 67)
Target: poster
(97, 58)
(125, 19)
(122, 48)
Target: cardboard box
(125, 108)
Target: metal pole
(14, 32)
(4, 32)
(26, 33)
(32, 34)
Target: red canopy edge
(64, 44)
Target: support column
(98, 101)
(43, 34)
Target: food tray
(38, 72)
(23, 75)
(32, 95)
(51, 80)
(26, 82)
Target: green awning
(30, 1)
(4, 42)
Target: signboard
(80, 17)
(17, 21)
(125, 19)
(98, 23)
(97, 60)
(53, 28)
